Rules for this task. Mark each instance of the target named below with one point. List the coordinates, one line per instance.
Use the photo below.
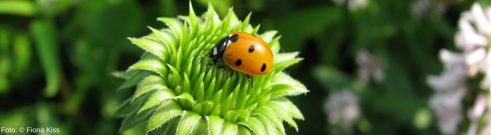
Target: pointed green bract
(134, 119)
(271, 116)
(133, 77)
(294, 86)
(257, 127)
(157, 98)
(230, 129)
(244, 131)
(150, 63)
(148, 84)
(148, 45)
(268, 126)
(189, 123)
(178, 91)
(165, 113)
(215, 125)
(283, 114)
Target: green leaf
(166, 112)
(283, 114)
(275, 45)
(289, 106)
(211, 89)
(46, 116)
(169, 128)
(268, 126)
(17, 7)
(157, 98)
(268, 36)
(257, 126)
(129, 107)
(230, 129)
(174, 24)
(187, 98)
(167, 39)
(215, 125)
(193, 19)
(271, 115)
(187, 85)
(284, 60)
(134, 120)
(22, 53)
(279, 89)
(150, 63)
(133, 77)
(125, 109)
(256, 29)
(244, 131)
(245, 24)
(173, 78)
(44, 32)
(149, 45)
(212, 19)
(4, 60)
(294, 87)
(188, 123)
(202, 128)
(148, 84)
(229, 21)
(200, 92)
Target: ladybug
(245, 53)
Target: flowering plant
(179, 92)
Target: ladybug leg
(221, 66)
(217, 63)
(214, 61)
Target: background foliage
(60, 59)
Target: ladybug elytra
(245, 53)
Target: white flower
(486, 82)
(450, 88)
(473, 38)
(352, 4)
(486, 130)
(475, 113)
(342, 108)
(448, 108)
(369, 67)
(478, 108)
(454, 74)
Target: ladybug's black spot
(251, 48)
(234, 37)
(238, 62)
(263, 67)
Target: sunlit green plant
(179, 92)
(15, 55)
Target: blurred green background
(60, 60)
